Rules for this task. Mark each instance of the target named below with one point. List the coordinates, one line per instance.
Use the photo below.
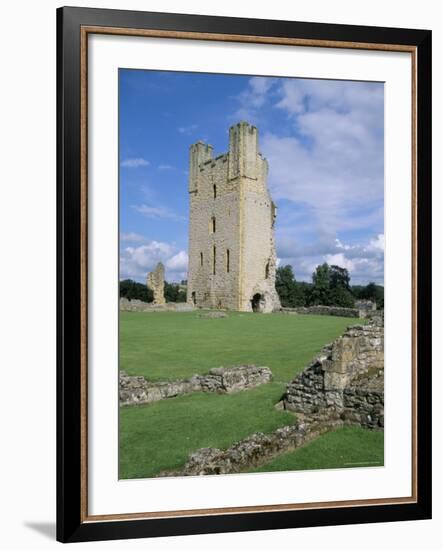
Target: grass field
(171, 345)
(347, 447)
(160, 436)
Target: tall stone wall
(155, 281)
(347, 377)
(231, 226)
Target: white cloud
(187, 129)
(365, 262)
(377, 244)
(252, 98)
(178, 262)
(333, 178)
(165, 167)
(134, 162)
(331, 163)
(132, 237)
(330, 166)
(157, 212)
(137, 261)
(341, 260)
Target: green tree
(321, 283)
(173, 293)
(341, 297)
(284, 284)
(135, 291)
(290, 292)
(374, 292)
(339, 277)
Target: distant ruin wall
(139, 305)
(135, 390)
(325, 310)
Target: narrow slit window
(214, 191)
(201, 258)
(213, 259)
(267, 271)
(213, 225)
(227, 260)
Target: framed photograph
(244, 243)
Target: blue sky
(324, 143)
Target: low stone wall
(135, 390)
(325, 310)
(139, 305)
(367, 305)
(347, 377)
(254, 450)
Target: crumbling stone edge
(137, 390)
(258, 448)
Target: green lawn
(347, 447)
(170, 345)
(160, 436)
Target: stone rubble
(347, 376)
(255, 450)
(134, 390)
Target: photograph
(251, 273)
(239, 200)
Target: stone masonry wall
(347, 377)
(231, 226)
(135, 390)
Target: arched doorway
(256, 303)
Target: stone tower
(232, 258)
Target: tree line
(330, 287)
(137, 291)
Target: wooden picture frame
(74, 523)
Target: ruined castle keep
(232, 259)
